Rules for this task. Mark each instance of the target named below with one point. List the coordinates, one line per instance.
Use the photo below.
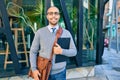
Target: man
(43, 42)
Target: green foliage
(18, 12)
(74, 18)
(38, 13)
(27, 18)
(90, 27)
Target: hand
(36, 75)
(57, 49)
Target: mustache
(54, 18)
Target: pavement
(108, 70)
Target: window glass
(89, 32)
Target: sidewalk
(109, 70)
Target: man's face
(53, 16)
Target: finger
(39, 74)
(57, 45)
(36, 78)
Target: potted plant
(89, 31)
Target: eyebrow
(53, 11)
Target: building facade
(80, 17)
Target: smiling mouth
(53, 19)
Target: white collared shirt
(50, 28)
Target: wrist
(33, 69)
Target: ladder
(17, 43)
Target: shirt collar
(56, 26)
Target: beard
(53, 22)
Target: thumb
(57, 45)
(39, 74)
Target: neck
(53, 25)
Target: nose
(53, 14)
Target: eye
(51, 13)
(56, 13)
